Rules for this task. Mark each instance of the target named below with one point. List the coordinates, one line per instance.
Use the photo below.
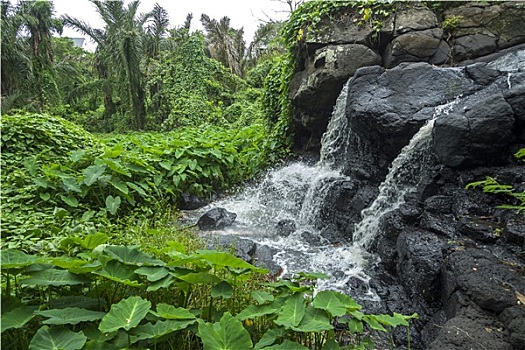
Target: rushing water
(297, 192)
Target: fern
(491, 185)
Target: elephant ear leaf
(112, 204)
(228, 334)
(92, 173)
(126, 314)
(57, 338)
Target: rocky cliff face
(333, 52)
(446, 252)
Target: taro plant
(100, 296)
(66, 181)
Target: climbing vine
(302, 23)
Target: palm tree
(225, 44)
(121, 45)
(27, 58)
(16, 63)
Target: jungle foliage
(97, 149)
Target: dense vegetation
(97, 149)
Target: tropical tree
(28, 73)
(225, 44)
(120, 46)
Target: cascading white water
(406, 171)
(297, 192)
(335, 139)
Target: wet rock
(480, 229)
(471, 329)
(264, 257)
(391, 225)
(311, 238)
(481, 73)
(314, 90)
(486, 280)
(409, 213)
(384, 113)
(439, 204)
(419, 264)
(476, 137)
(331, 234)
(476, 45)
(216, 219)
(415, 17)
(441, 224)
(514, 319)
(286, 227)
(243, 248)
(190, 202)
(514, 230)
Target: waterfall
(403, 177)
(335, 139)
(301, 193)
(405, 173)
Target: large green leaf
(70, 315)
(163, 283)
(199, 277)
(153, 273)
(349, 303)
(92, 173)
(71, 184)
(287, 345)
(314, 320)
(126, 314)
(57, 338)
(17, 318)
(331, 344)
(171, 312)
(228, 334)
(159, 329)
(253, 311)
(92, 241)
(327, 300)
(119, 272)
(112, 204)
(137, 188)
(119, 185)
(223, 289)
(270, 337)
(117, 167)
(70, 200)
(12, 258)
(77, 155)
(292, 311)
(261, 297)
(113, 152)
(54, 277)
(222, 259)
(373, 323)
(132, 256)
(67, 262)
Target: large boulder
(415, 47)
(386, 108)
(338, 45)
(216, 219)
(476, 137)
(480, 28)
(314, 90)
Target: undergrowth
(58, 178)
